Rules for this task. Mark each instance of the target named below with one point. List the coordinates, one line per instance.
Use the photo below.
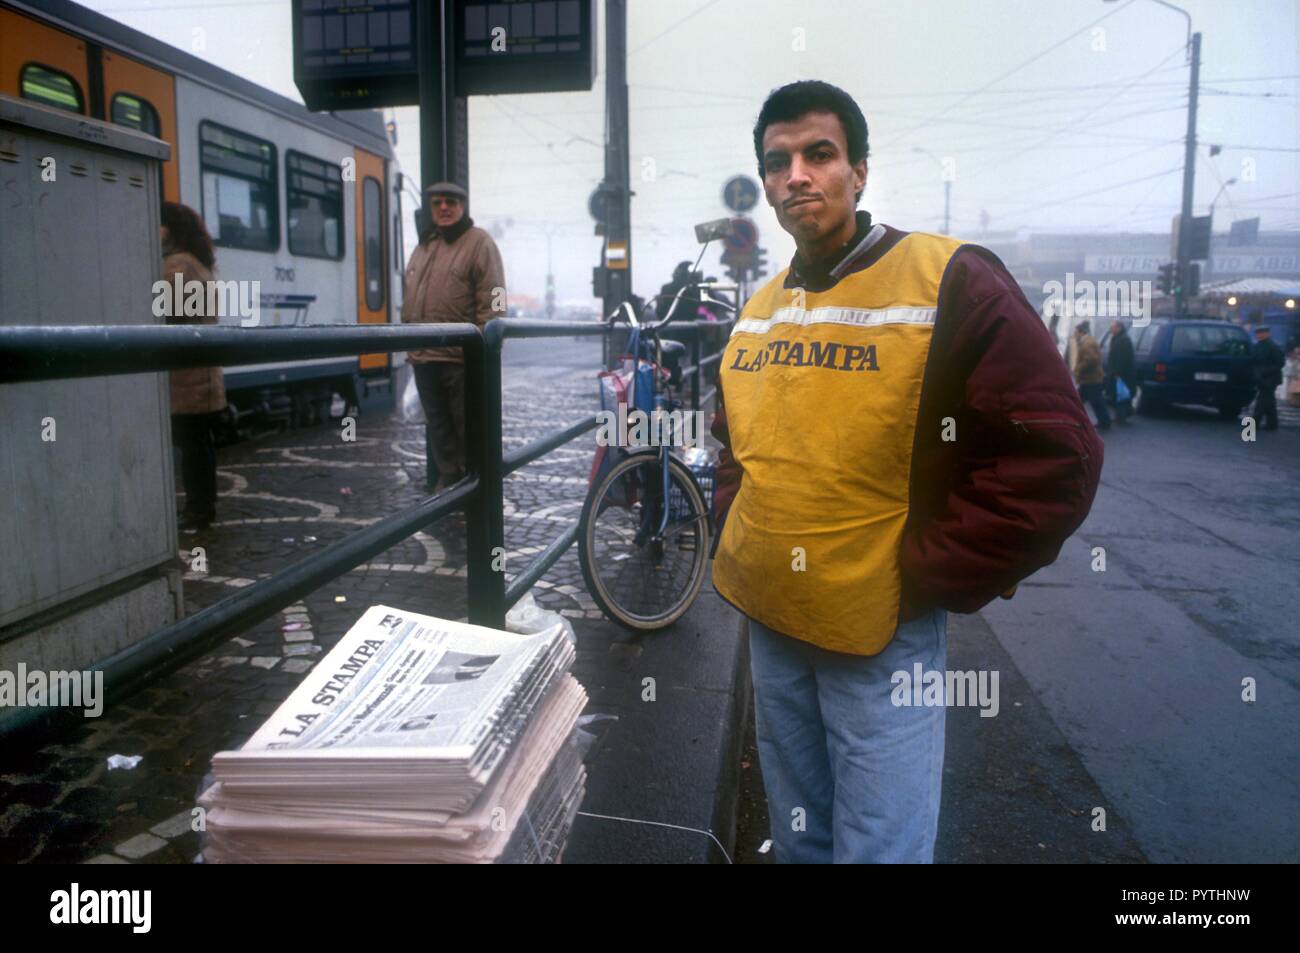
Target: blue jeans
(850, 777)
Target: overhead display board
(362, 54)
(524, 46)
(349, 55)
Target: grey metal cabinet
(87, 518)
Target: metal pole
(428, 26)
(618, 212)
(1189, 174)
(429, 62)
(947, 198)
(443, 131)
(455, 109)
(485, 529)
(695, 372)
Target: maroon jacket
(996, 504)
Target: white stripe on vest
(857, 317)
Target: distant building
(1101, 264)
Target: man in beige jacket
(454, 276)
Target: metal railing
(60, 353)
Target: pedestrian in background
(683, 277)
(1267, 360)
(198, 394)
(455, 276)
(1120, 368)
(1088, 373)
(683, 280)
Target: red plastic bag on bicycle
(629, 387)
(614, 398)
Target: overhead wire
(1015, 69)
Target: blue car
(1191, 361)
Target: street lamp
(1189, 152)
(1163, 3)
(1232, 181)
(947, 185)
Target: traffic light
(1193, 279)
(760, 262)
(1166, 280)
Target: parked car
(1191, 361)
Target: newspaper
(402, 681)
(415, 739)
(536, 792)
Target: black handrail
(43, 353)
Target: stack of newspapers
(414, 740)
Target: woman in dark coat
(198, 394)
(1119, 366)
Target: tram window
(372, 212)
(315, 195)
(240, 189)
(50, 87)
(128, 110)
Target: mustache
(798, 198)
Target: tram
(309, 205)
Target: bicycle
(645, 530)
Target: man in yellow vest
(901, 439)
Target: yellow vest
(822, 397)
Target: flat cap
(447, 188)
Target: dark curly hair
(186, 232)
(811, 95)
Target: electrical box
(87, 504)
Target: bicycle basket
(703, 466)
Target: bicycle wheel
(638, 579)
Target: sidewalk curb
(727, 806)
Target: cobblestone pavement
(282, 497)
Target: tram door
(53, 68)
(44, 65)
(372, 269)
(144, 98)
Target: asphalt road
(1141, 666)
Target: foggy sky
(1055, 122)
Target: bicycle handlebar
(656, 325)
